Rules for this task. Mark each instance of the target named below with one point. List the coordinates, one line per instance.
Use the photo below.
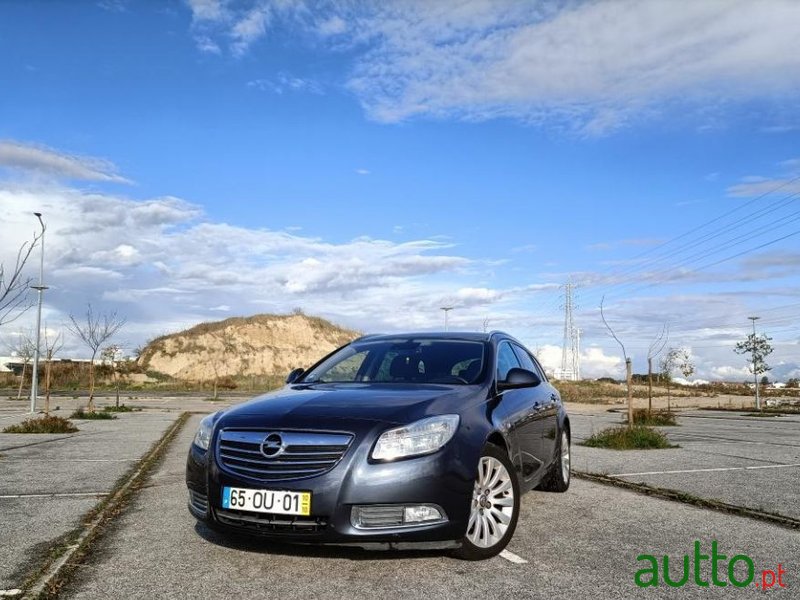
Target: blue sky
(371, 162)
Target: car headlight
(421, 437)
(203, 436)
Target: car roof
(473, 336)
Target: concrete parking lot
(575, 544)
(566, 545)
(48, 482)
(747, 461)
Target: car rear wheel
(558, 478)
(494, 508)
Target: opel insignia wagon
(406, 440)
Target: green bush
(122, 408)
(623, 437)
(656, 418)
(45, 424)
(97, 415)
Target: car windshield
(403, 361)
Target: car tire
(560, 473)
(494, 507)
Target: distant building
(13, 364)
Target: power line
(720, 217)
(718, 262)
(712, 235)
(746, 219)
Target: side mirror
(295, 375)
(519, 378)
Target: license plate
(267, 501)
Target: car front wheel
(494, 509)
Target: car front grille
(280, 455)
(271, 524)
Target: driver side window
(506, 360)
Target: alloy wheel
(492, 504)
(565, 464)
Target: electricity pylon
(571, 347)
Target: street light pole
(36, 353)
(446, 310)
(753, 354)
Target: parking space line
(710, 470)
(66, 460)
(513, 558)
(55, 495)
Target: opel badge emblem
(272, 445)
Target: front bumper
(445, 478)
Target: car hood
(322, 405)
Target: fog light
(395, 515)
(419, 514)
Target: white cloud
(592, 65)
(44, 160)
(334, 25)
(249, 28)
(163, 264)
(762, 186)
(206, 44)
(207, 10)
(594, 362)
(237, 25)
(284, 82)
(362, 172)
(728, 373)
(116, 6)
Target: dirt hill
(244, 346)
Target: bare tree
(652, 352)
(94, 331)
(52, 344)
(14, 286)
(675, 358)
(628, 371)
(23, 347)
(109, 355)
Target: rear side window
(527, 362)
(506, 360)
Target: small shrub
(656, 418)
(98, 415)
(629, 438)
(46, 424)
(122, 408)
